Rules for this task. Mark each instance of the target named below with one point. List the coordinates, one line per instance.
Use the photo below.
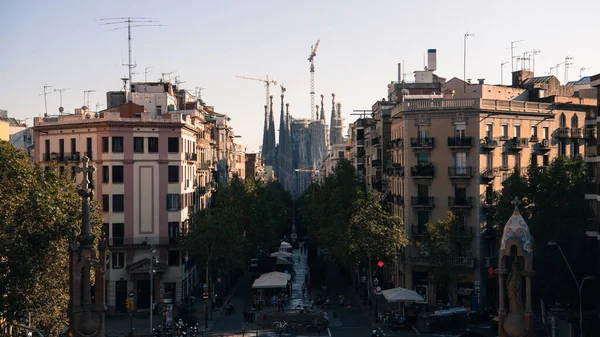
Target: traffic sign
(131, 294)
(378, 291)
(363, 279)
(205, 296)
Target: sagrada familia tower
(303, 144)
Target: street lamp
(579, 285)
(153, 259)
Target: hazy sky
(208, 43)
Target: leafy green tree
(40, 214)
(554, 206)
(443, 243)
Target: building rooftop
(582, 81)
(541, 79)
(11, 121)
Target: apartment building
(254, 167)
(376, 134)
(145, 180)
(592, 157)
(449, 153)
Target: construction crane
(267, 81)
(311, 59)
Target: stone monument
(516, 262)
(86, 317)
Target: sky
(208, 43)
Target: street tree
(40, 214)
(443, 243)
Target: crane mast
(267, 81)
(311, 59)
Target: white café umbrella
(401, 295)
(281, 254)
(283, 261)
(269, 282)
(277, 274)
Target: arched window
(574, 121)
(563, 121)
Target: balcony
(395, 171)
(460, 203)
(191, 156)
(375, 140)
(398, 143)
(422, 171)
(458, 262)
(489, 144)
(544, 146)
(390, 145)
(459, 142)
(398, 200)
(375, 162)
(417, 231)
(563, 133)
(360, 160)
(589, 133)
(534, 139)
(455, 172)
(518, 144)
(576, 133)
(490, 174)
(426, 202)
(422, 143)
(205, 165)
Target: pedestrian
(192, 300)
(309, 289)
(154, 304)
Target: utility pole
(512, 48)
(146, 73)
(502, 72)
(467, 35)
(46, 93)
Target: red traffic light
(490, 271)
(380, 264)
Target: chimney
(399, 72)
(520, 76)
(481, 80)
(431, 59)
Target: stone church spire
(270, 155)
(265, 142)
(322, 108)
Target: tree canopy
(40, 213)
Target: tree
(40, 214)
(444, 242)
(554, 206)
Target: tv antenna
(146, 73)
(46, 93)
(177, 81)
(581, 70)
(512, 49)
(60, 91)
(86, 97)
(199, 92)
(568, 63)
(128, 23)
(98, 105)
(532, 58)
(162, 75)
(502, 72)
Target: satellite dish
(84, 107)
(88, 116)
(96, 115)
(61, 109)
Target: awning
(465, 291)
(285, 245)
(278, 274)
(401, 295)
(270, 282)
(281, 254)
(283, 261)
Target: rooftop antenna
(558, 67)
(98, 105)
(128, 23)
(552, 68)
(124, 79)
(146, 73)
(86, 97)
(581, 70)
(512, 48)
(177, 81)
(60, 91)
(162, 75)
(502, 72)
(532, 60)
(467, 35)
(568, 63)
(199, 92)
(46, 93)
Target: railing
(18, 330)
(454, 202)
(398, 142)
(395, 171)
(490, 173)
(576, 133)
(398, 200)
(563, 132)
(69, 156)
(519, 143)
(484, 104)
(360, 142)
(425, 171)
(490, 143)
(375, 162)
(591, 150)
(191, 156)
(534, 139)
(459, 262)
(422, 201)
(140, 240)
(422, 143)
(460, 172)
(461, 142)
(375, 140)
(360, 160)
(589, 133)
(545, 144)
(205, 165)
(591, 188)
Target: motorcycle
(194, 330)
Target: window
(138, 144)
(562, 148)
(173, 202)
(117, 144)
(105, 202)
(489, 161)
(117, 174)
(88, 147)
(533, 159)
(423, 219)
(61, 149)
(153, 144)
(574, 148)
(170, 289)
(422, 158)
(504, 130)
(105, 230)
(173, 232)
(173, 145)
(422, 134)
(546, 132)
(518, 131)
(517, 161)
(489, 133)
(105, 178)
(173, 174)
(459, 130)
(118, 202)
(73, 145)
(159, 109)
(118, 260)
(104, 144)
(341, 154)
(562, 121)
(574, 121)
(546, 160)
(460, 161)
(47, 147)
(460, 193)
(534, 132)
(423, 191)
(174, 259)
(118, 234)
(504, 160)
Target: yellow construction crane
(267, 81)
(311, 59)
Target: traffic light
(129, 305)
